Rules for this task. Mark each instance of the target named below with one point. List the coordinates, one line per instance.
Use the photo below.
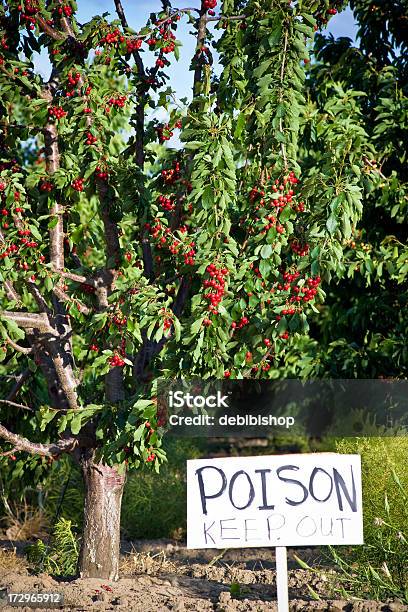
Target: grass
(146, 563)
(10, 561)
(379, 568)
(24, 522)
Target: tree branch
(182, 295)
(14, 405)
(8, 453)
(17, 347)
(57, 343)
(52, 164)
(62, 361)
(48, 450)
(114, 383)
(11, 292)
(140, 106)
(76, 278)
(147, 259)
(121, 13)
(67, 27)
(201, 35)
(24, 376)
(8, 285)
(49, 30)
(222, 18)
(110, 227)
(27, 320)
(64, 297)
(41, 303)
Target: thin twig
(20, 349)
(76, 278)
(24, 376)
(15, 405)
(64, 297)
(8, 453)
(222, 18)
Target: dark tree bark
(99, 557)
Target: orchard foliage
(125, 258)
(363, 326)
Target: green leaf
(76, 424)
(240, 125)
(196, 326)
(177, 329)
(46, 415)
(264, 268)
(266, 251)
(331, 224)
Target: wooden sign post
(278, 500)
(281, 557)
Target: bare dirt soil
(162, 575)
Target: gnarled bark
(99, 557)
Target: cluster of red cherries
(209, 5)
(112, 38)
(78, 184)
(323, 17)
(171, 175)
(116, 37)
(119, 320)
(90, 139)
(283, 193)
(163, 238)
(118, 102)
(299, 294)
(309, 291)
(56, 112)
(27, 17)
(166, 203)
(101, 173)
(46, 186)
(300, 249)
(151, 457)
(216, 285)
(25, 242)
(165, 40)
(73, 79)
(65, 10)
(133, 44)
(243, 321)
(116, 361)
(165, 132)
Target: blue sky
(340, 25)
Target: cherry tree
(124, 259)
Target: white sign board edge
(297, 500)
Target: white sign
(280, 500)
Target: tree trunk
(99, 557)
